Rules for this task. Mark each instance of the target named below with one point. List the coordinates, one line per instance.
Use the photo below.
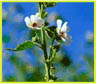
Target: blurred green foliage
(5, 38)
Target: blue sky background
(80, 17)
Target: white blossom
(34, 21)
(63, 30)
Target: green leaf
(48, 4)
(58, 38)
(44, 14)
(57, 47)
(6, 38)
(23, 46)
(46, 23)
(43, 6)
(52, 33)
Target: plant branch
(44, 43)
(47, 65)
(51, 49)
(48, 76)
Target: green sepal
(57, 47)
(36, 39)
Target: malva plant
(58, 35)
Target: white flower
(62, 30)
(34, 21)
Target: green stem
(44, 43)
(52, 42)
(47, 63)
(51, 49)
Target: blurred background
(73, 63)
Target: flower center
(34, 25)
(62, 34)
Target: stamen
(62, 34)
(34, 25)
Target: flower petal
(38, 28)
(34, 18)
(65, 35)
(28, 22)
(37, 14)
(68, 37)
(63, 39)
(58, 31)
(40, 22)
(59, 23)
(65, 28)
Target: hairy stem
(46, 58)
(51, 49)
(47, 65)
(44, 43)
